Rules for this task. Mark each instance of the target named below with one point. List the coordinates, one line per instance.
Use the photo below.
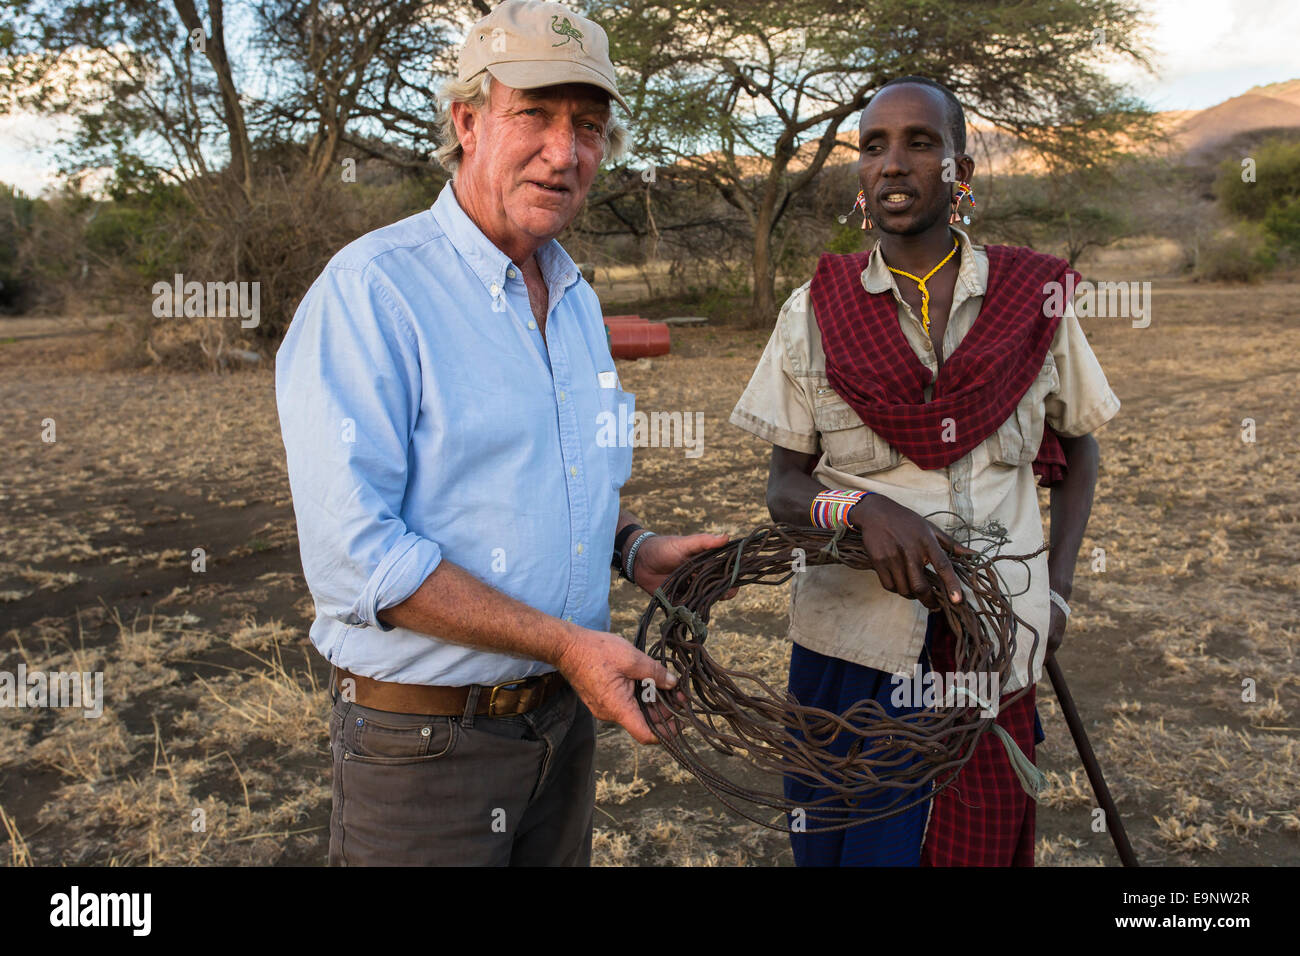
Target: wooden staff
(1114, 825)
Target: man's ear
(466, 121)
(965, 167)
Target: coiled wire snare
(894, 762)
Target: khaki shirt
(846, 614)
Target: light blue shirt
(425, 419)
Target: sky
(1206, 51)
(1210, 50)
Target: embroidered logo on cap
(568, 31)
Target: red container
(632, 340)
(615, 319)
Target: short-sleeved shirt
(846, 613)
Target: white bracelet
(1059, 602)
(631, 554)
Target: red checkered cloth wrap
(871, 366)
(984, 818)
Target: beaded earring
(859, 203)
(963, 191)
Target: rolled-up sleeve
(1084, 400)
(348, 388)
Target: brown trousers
(413, 790)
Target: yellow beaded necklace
(920, 283)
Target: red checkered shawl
(871, 366)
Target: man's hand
(608, 673)
(900, 543)
(661, 555)
(1055, 631)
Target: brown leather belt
(500, 700)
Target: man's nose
(895, 161)
(561, 148)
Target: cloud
(1207, 51)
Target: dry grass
(19, 855)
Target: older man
(440, 391)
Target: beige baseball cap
(527, 44)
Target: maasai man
(927, 377)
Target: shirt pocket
(1018, 439)
(616, 431)
(850, 446)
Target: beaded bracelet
(830, 509)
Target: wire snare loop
(891, 761)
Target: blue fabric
(425, 419)
(836, 685)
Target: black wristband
(620, 541)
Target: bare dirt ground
(214, 698)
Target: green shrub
(1275, 181)
(1243, 256)
(848, 237)
(1283, 222)
(1264, 191)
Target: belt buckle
(504, 685)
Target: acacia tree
(362, 73)
(751, 97)
(210, 40)
(1072, 210)
(160, 89)
(129, 71)
(196, 105)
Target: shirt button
(573, 470)
(511, 273)
(561, 395)
(494, 289)
(956, 486)
(569, 618)
(929, 346)
(532, 326)
(580, 547)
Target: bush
(110, 254)
(1283, 222)
(1271, 198)
(848, 237)
(142, 235)
(42, 251)
(17, 214)
(1243, 256)
(1276, 181)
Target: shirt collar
(973, 272)
(487, 261)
